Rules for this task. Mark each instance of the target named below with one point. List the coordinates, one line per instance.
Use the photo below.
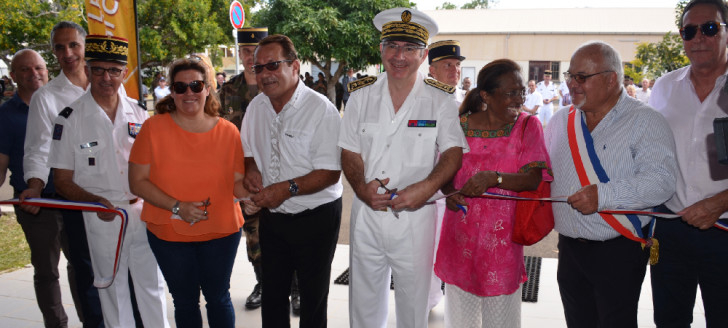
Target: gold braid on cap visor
(402, 29)
(107, 47)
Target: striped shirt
(635, 146)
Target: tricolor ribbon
(100, 282)
(562, 199)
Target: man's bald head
(28, 70)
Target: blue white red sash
(100, 282)
(590, 171)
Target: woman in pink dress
(482, 267)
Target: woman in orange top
(187, 165)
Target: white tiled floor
(18, 307)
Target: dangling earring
(484, 107)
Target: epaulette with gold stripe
(439, 85)
(360, 83)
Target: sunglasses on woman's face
(195, 86)
(708, 29)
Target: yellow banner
(116, 18)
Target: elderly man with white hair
(608, 151)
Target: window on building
(536, 69)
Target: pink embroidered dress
(475, 251)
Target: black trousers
(689, 258)
(600, 282)
(45, 237)
(305, 243)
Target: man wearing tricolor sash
(608, 151)
(694, 249)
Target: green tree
(479, 4)
(635, 70)
(28, 24)
(678, 11)
(447, 6)
(328, 31)
(662, 57)
(170, 29)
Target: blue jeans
(190, 266)
(689, 257)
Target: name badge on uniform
(57, 131)
(134, 129)
(421, 123)
(89, 144)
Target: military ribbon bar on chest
(421, 123)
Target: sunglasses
(708, 29)
(272, 66)
(195, 86)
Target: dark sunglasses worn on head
(99, 71)
(195, 86)
(708, 29)
(272, 66)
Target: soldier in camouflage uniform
(235, 95)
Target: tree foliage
(170, 29)
(479, 4)
(447, 6)
(667, 55)
(328, 31)
(635, 70)
(662, 57)
(678, 11)
(28, 24)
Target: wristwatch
(175, 208)
(500, 178)
(293, 187)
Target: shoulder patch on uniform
(439, 85)
(66, 112)
(57, 131)
(363, 82)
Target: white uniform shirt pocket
(88, 155)
(421, 146)
(368, 132)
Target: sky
(510, 4)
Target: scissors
(392, 194)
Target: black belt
(645, 229)
(589, 241)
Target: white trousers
(382, 245)
(545, 112)
(136, 257)
(466, 310)
(436, 283)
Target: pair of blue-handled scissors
(392, 194)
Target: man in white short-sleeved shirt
(292, 165)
